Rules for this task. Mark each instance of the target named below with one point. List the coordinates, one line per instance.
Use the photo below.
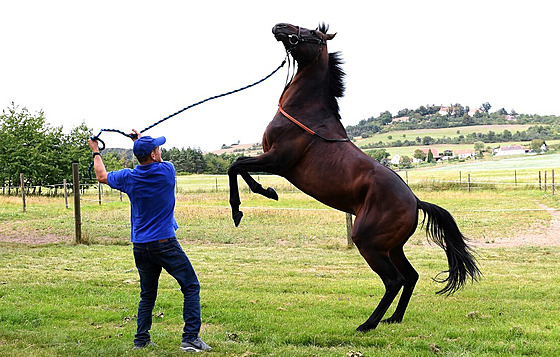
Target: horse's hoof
(390, 320)
(272, 194)
(237, 218)
(364, 328)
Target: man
(150, 187)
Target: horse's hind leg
(257, 187)
(381, 263)
(410, 278)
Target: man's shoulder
(117, 179)
(121, 172)
(167, 165)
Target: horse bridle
(294, 40)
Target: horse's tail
(443, 230)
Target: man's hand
(93, 145)
(135, 135)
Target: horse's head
(304, 45)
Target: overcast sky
(127, 64)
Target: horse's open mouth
(280, 33)
(280, 36)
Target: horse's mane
(336, 82)
(336, 75)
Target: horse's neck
(307, 86)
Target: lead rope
(96, 137)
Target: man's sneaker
(144, 345)
(195, 346)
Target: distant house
(464, 153)
(473, 112)
(444, 110)
(509, 150)
(400, 120)
(396, 159)
(435, 153)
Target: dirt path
(537, 235)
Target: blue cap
(146, 144)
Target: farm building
(509, 150)
(396, 159)
(435, 153)
(464, 153)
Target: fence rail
(542, 180)
(82, 192)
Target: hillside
(454, 125)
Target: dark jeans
(150, 258)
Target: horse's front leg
(257, 187)
(234, 199)
(262, 163)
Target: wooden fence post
(515, 173)
(545, 181)
(349, 229)
(77, 213)
(540, 187)
(469, 182)
(552, 182)
(99, 192)
(65, 193)
(22, 190)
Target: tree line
(44, 154)
(455, 115)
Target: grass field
(411, 135)
(63, 300)
(284, 283)
(439, 133)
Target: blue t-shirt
(151, 190)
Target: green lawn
(283, 283)
(64, 300)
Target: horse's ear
(324, 28)
(330, 36)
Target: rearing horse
(306, 143)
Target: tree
(427, 140)
(378, 155)
(406, 162)
(486, 107)
(44, 155)
(536, 144)
(386, 117)
(479, 148)
(430, 156)
(419, 155)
